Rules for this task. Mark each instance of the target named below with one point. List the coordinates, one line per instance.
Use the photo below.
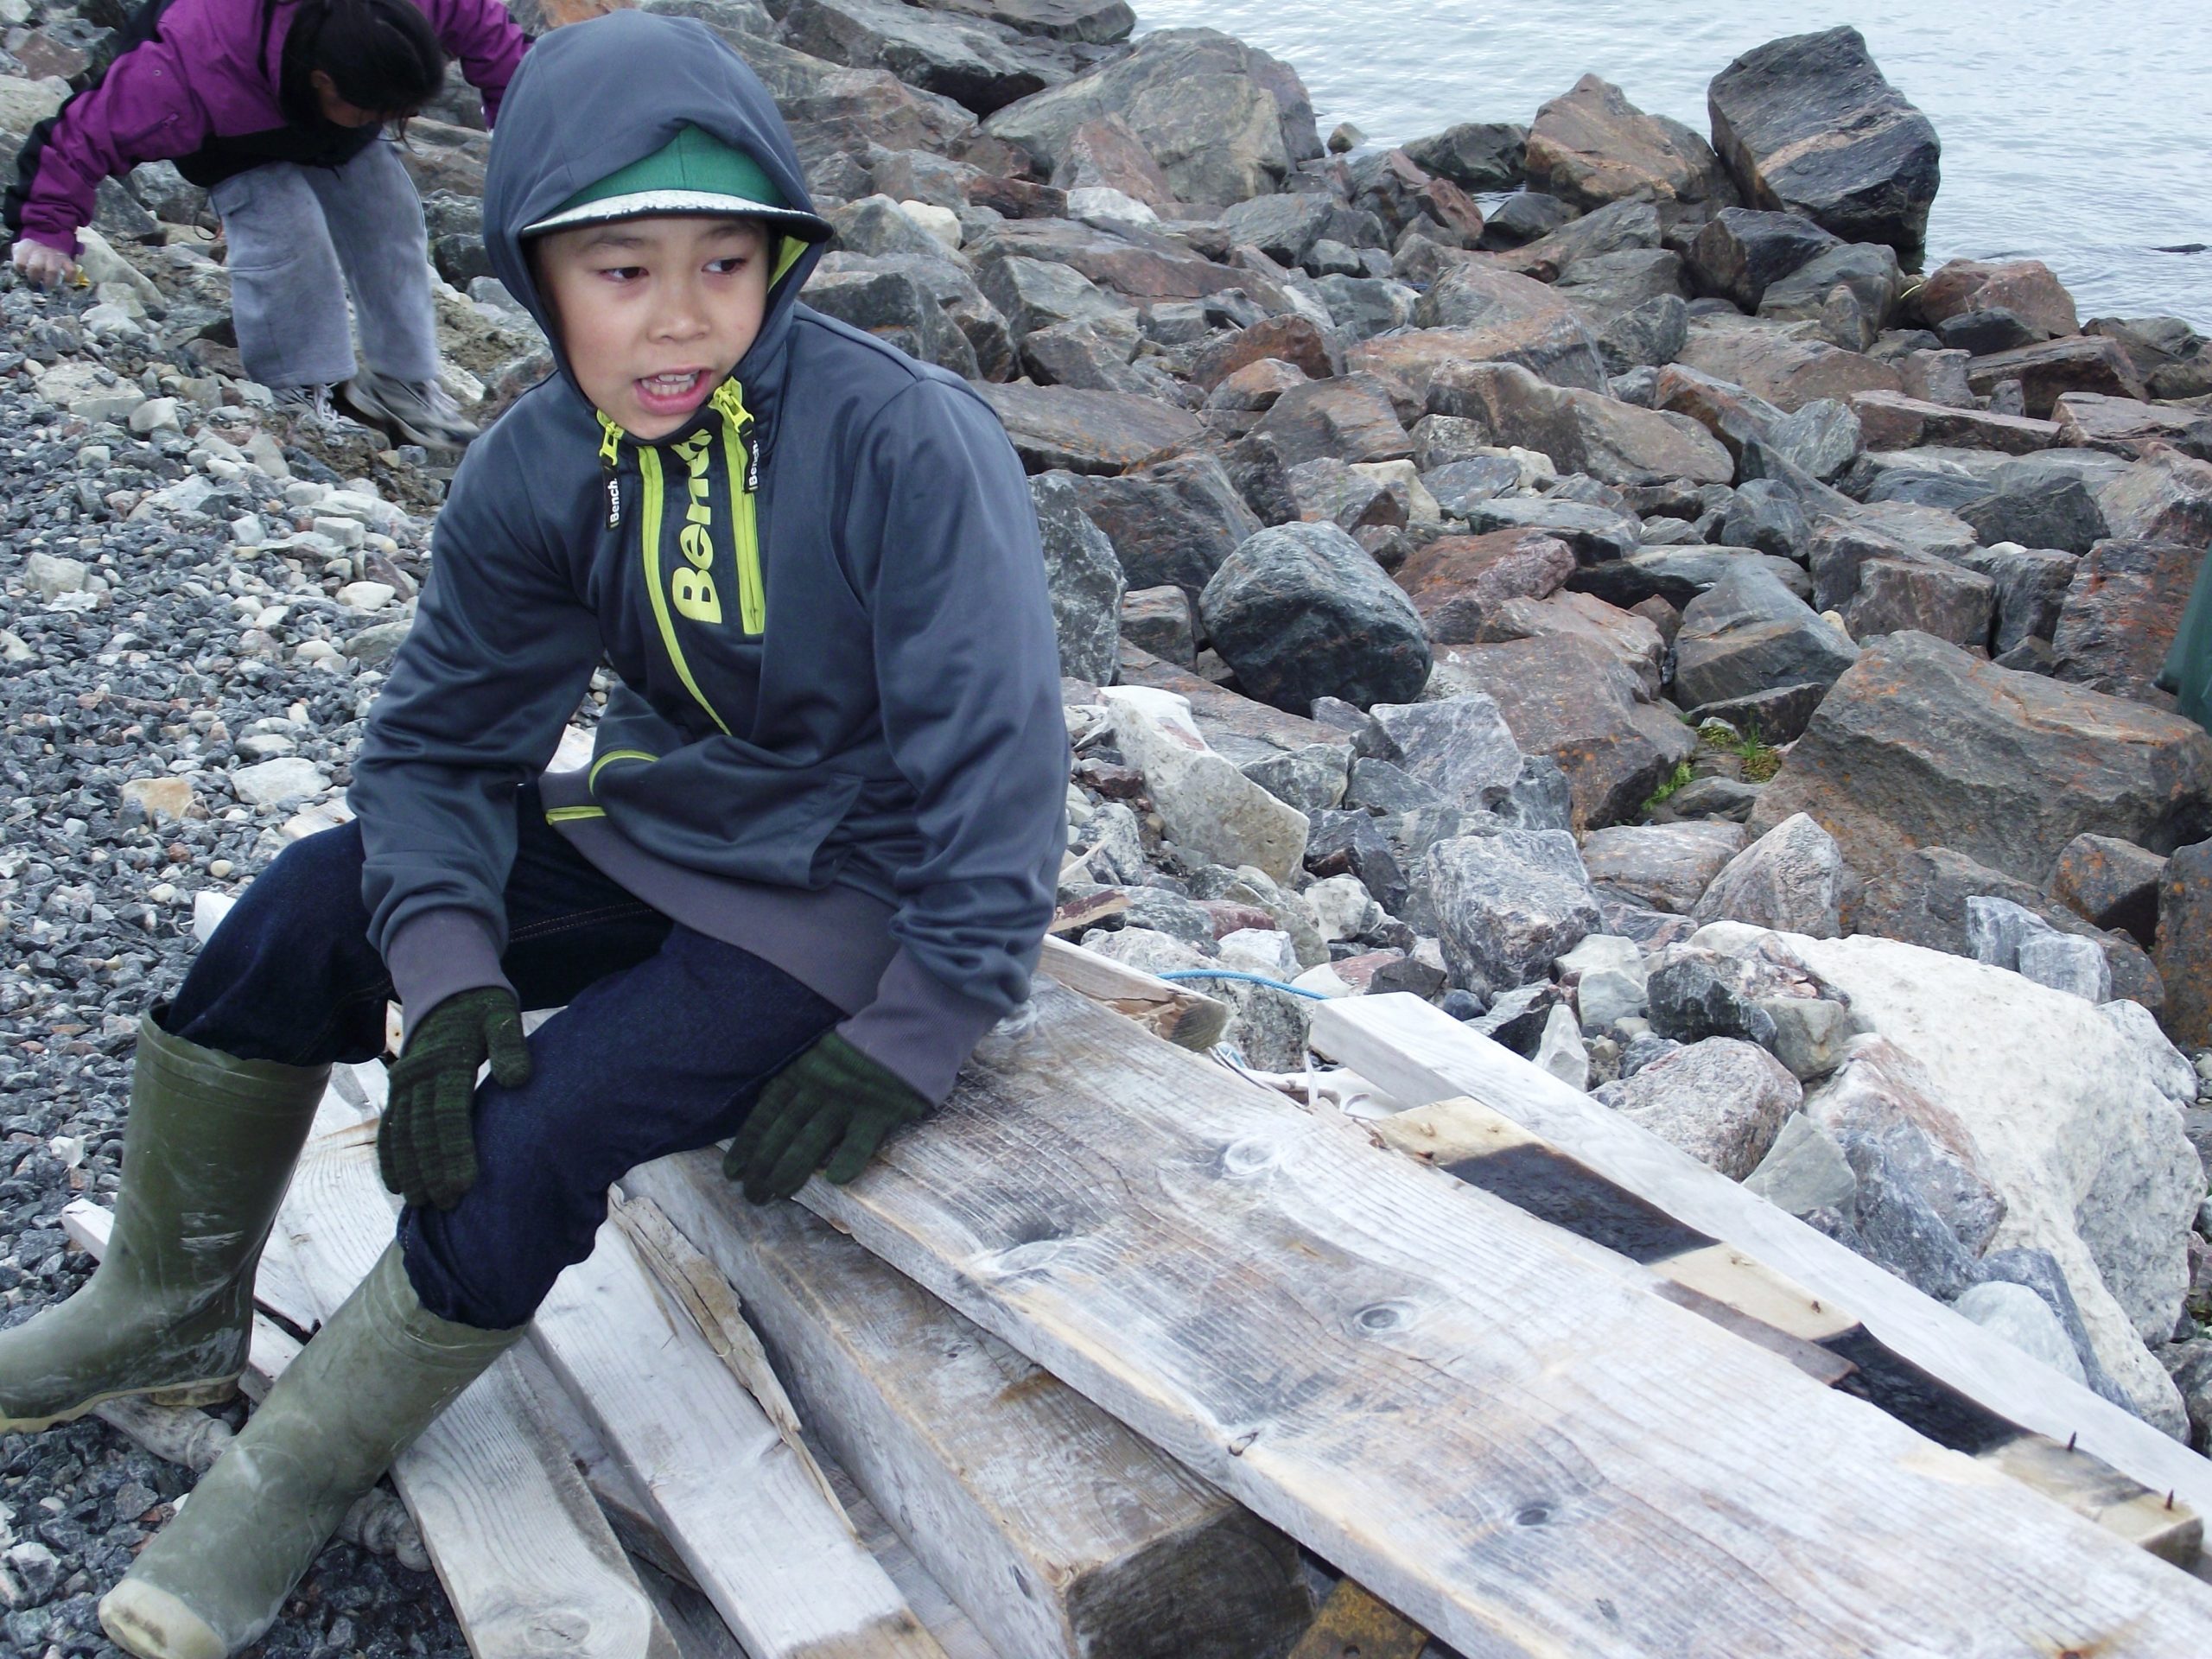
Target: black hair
(381, 55)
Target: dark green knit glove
(426, 1146)
(832, 1104)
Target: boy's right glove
(831, 1099)
(426, 1146)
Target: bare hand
(47, 267)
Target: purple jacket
(203, 78)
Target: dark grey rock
(1650, 334)
(1507, 905)
(2031, 584)
(1765, 515)
(1742, 251)
(1748, 633)
(1459, 747)
(1302, 612)
(1174, 521)
(2045, 513)
(1085, 579)
(1475, 156)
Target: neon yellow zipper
(744, 482)
(649, 540)
(571, 814)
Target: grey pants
(301, 240)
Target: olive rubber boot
(372, 1380)
(206, 1151)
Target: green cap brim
(694, 173)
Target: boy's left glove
(831, 1099)
(426, 1146)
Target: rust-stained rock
(2184, 952)
(1559, 349)
(2120, 426)
(2110, 883)
(1255, 386)
(2026, 288)
(1630, 640)
(1316, 351)
(1349, 418)
(2117, 622)
(1774, 363)
(1890, 420)
(1458, 582)
(1087, 431)
(1570, 700)
(2047, 371)
(1591, 146)
(1104, 154)
(1581, 431)
(1920, 744)
(2163, 497)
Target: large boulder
(1203, 801)
(1591, 146)
(1223, 120)
(1173, 522)
(1808, 124)
(1506, 904)
(2118, 621)
(1583, 431)
(970, 62)
(1458, 583)
(2026, 288)
(2184, 952)
(1662, 866)
(1790, 879)
(2066, 1120)
(1556, 345)
(1774, 363)
(1920, 744)
(1722, 1101)
(1068, 429)
(1575, 703)
(1085, 579)
(1302, 611)
(1742, 251)
(1748, 633)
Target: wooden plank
(1059, 1531)
(1186, 1018)
(1483, 1420)
(1420, 1053)
(955, 1631)
(1474, 1144)
(767, 1547)
(528, 1562)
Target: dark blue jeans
(662, 1046)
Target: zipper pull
(745, 437)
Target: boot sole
(212, 1392)
(148, 1621)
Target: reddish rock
(1890, 420)
(1295, 339)
(2026, 288)
(1351, 419)
(2112, 883)
(1141, 272)
(1592, 146)
(1581, 431)
(1559, 349)
(1087, 431)
(1628, 639)
(2117, 620)
(1567, 699)
(2184, 949)
(1105, 153)
(2120, 426)
(1256, 385)
(1458, 582)
(2163, 498)
(1920, 744)
(2047, 372)
(1772, 363)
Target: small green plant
(1676, 780)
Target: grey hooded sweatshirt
(836, 739)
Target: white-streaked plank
(529, 1563)
(1484, 1420)
(1421, 1054)
(760, 1538)
(1061, 1532)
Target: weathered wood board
(1421, 1054)
(1818, 1335)
(1186, 1018)
(1486, 1421)
(527, 1560)
(1060, 1531)
(766, 1545)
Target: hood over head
(594, 98)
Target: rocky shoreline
(1581, 573)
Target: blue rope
(1253, 979)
